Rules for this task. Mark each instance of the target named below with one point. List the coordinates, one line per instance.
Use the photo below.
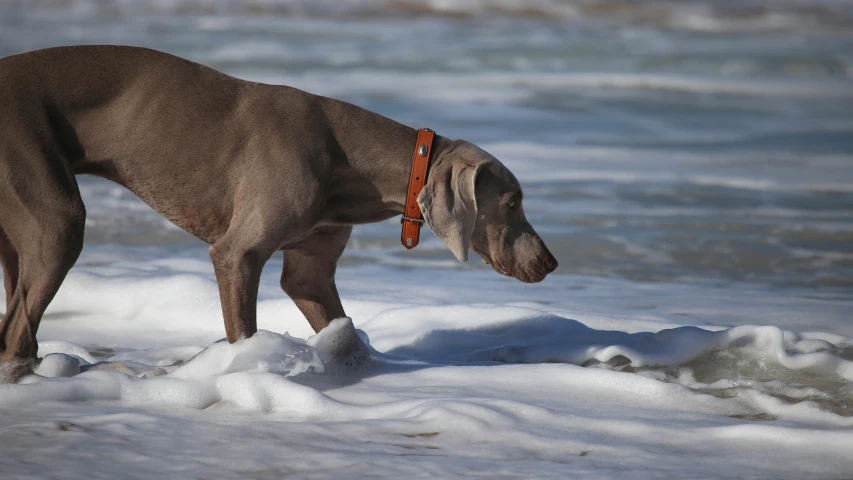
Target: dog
(248, 168)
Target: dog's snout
(550, 263)
(545, 257)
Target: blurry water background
(661, 141)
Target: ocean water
(689, 163)
(680, 140)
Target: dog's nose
(550, 263)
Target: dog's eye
(511, 202)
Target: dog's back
(124, 113)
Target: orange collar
(412, 218)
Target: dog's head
(472, 201)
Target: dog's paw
(342, 348)
(12, 371)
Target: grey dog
(246, 167)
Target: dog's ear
(449, 204)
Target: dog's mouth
(495, 264)
(501, 269)
(535, 275)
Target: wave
(764, 361)
(504, 85)
(694, 15)
(760, 370)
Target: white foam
(455, 377)
(520, 335)
(198, 383)
(343, 349)
(457, 334)
(58, 365)
(257, 365)
(66, 348)
(263, 352)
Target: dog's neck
(372, 177)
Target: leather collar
(412, 216)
